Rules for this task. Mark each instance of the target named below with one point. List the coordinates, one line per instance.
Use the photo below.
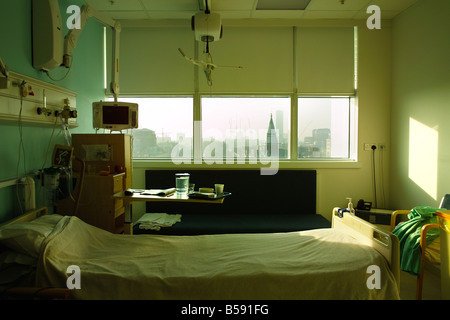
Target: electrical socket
(378, 146)
(368, 146)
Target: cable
(67, 134)
(382, 187)
(21, 146)
(38, 196)
(374, 175)
(49, 143)
(56, 80)
(65, 76)
(3, 68)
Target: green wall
(85, 78)
(420, 162)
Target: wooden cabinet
(100, 151)
(96, 204)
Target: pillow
(27, 237)
(11, 257)
(16, 266)
(17, 275)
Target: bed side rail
(385, 242)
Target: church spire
(272, 140)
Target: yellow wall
(421, 105)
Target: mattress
(314, 264)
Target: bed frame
(28, 216)
(369, 234)
(32, 292)
(386, 243)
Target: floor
(431, 286)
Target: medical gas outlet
(44, 111)
(66, 113)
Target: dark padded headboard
(287, 191)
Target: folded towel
(154, 221)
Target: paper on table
(158, 192)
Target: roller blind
(325, 60)
(150, 62)
(265, 53)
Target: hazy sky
(170, 116)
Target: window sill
(283, 164)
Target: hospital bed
(351, 260)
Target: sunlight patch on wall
(423, 156)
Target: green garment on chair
(409, 235)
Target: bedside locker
(97, 205)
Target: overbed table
(174, 197)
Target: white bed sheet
(316, 264)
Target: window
(244, 129)
(240, 128)
(324, 127)
(164, 122)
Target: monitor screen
(115, 115)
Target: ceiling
(247, 9)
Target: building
(272, 142)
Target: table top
(174, 197)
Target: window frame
(291, 162)
(249, 160)
(352, 130)
(135, 97)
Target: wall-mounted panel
(25, 96)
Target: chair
(435, 246)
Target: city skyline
(163, 122)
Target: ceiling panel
(116, 5)
(390, 5)
(127, 15)
(336, 5)
(171, 5)
(247, 9)
(282, 4)
(329, 14)
(233, 5)
(278, 14)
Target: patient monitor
(115, 116)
